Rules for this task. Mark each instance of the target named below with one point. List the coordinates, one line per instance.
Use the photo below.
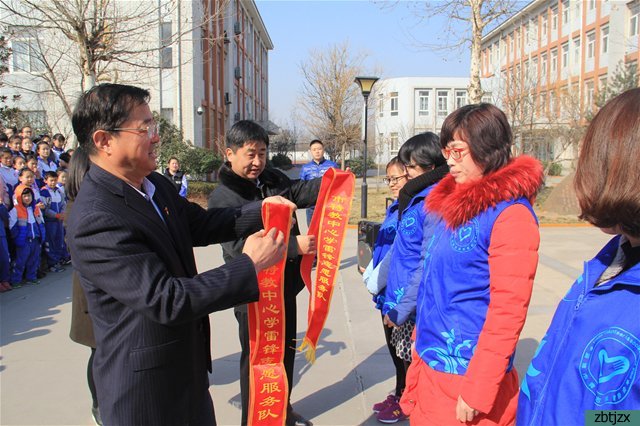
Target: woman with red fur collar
(481, 254)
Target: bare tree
(330, 100)
(465, 22)
(72, 44)
(285, 142)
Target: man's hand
(277, 199)
(306, 244)
(464, 413)
(265, 248)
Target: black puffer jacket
(235, 191)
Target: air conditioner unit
(236, 28)
(236, 116)
(237, 73)
(227, 98)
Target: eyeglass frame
(392, 180)
(152, 130)
(455, 153)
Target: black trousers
(400, 365)
(289, 354)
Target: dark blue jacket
(313, 170)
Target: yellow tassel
(310, 350)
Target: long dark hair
(78, 167)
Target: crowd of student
(32, 177)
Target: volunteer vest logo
(465, 238)
(452, 358)
(409, 222)
(609, 365)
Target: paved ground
(42, 373)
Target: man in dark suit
(245, 178)
(131, 238)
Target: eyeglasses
(151, 129)
(393, 179)
(455, 153)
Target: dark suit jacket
(148, 304)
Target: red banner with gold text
(328, 224)
(268, 386)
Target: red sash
(269, 388)
(328, 224)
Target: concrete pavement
(43, 373)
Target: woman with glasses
(589, 357)
(425, 167)
(376, 280)
(480, 257)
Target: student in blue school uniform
(54, 207)
(28, 232)
(45, 163)
(590, 356)
(4, 247)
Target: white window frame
(604, 39)
(591, 44)
(442, 96)
(393, 102)
(424, 97)
(460, 98)
(25, 37)
(634, 18)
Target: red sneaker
(392, 414)
(381, 406)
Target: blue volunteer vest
(590, 355)
(454, 292)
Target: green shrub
(356, 165)
(553, 169)
(198, 188)
(281, 161)
(195, 161)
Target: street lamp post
(365, 83)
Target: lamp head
(366, 84)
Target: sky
(386, 33)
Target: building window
(576, 50)
(545, 25)
(443, 103)
(394, 103)
(591, 4)
(25, 52)
(634, 11)
(543, 66)
(423, 102)
(565, 12)
(554, 19)
(381, 106)
(565, 55)
(487, 98)
(602, 82)
(554, 62)
(461, 98)
(393, 141)
(166, 54)
(534, 69)
(604, 42)
(591, 44)
(588, 95)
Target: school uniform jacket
(146, 299)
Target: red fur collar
(457, 204)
